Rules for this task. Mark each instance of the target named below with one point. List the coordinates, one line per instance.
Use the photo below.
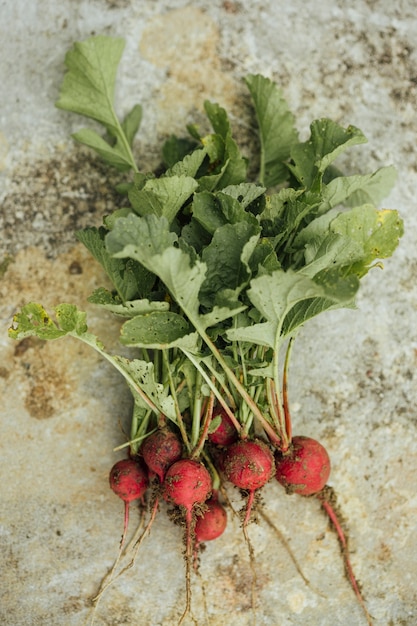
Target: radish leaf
(357, 190)
(88, 89)
(327, 141)
(276, 129)
(162, 196)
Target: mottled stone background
(353, 373)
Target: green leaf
(113, 155)
(274, 296)
(327, 141)
(378, 231)
(229, 167)
(307, 309)
(71, 319)
(189, 165)
(162, 196)
(214, 210)
(245, 193)
(105, 299)
(283, 214)
(146, 237)
(175, 149)
(131, 123)
(194, 235)
(218, 119)
(88, 86)
(142, 373)
(226, 267)
(353, 239)
(33, 320)
(88, 90)
(207, 211)
(149, 241)
(276, 129)
(130, 279)
(330, 251)
(158, 330)
(358, 190)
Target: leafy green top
(212, 271)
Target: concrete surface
(353, 372)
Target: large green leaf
(353, 239)
(158, 329)
(88, 90)
(274, 296)
(327, 141)
(88, 85)
(149, 241)
(227, 258)
(162, 196)
(276, 129)
(129, 278)
(358, 190)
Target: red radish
(160, 450)
(187, 484)
(304, 468)
(226, 433)
(128, 479)
(249, 465)
(212, 523)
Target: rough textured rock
(352, 377)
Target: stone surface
(353, 372)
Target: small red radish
(304, 468)
(187, 483)
(128, 479)
(226, 433)
(160, 450)
(249, 465)
(212, 523)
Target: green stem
(287, 414)
(275, 408)
(222, 384)
(91, 341)
(215, 478)
(214, 389)
(195, 427)
(126, 145)
(204, 430)
(241, 390)
(180, 422)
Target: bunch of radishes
(191, 482)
